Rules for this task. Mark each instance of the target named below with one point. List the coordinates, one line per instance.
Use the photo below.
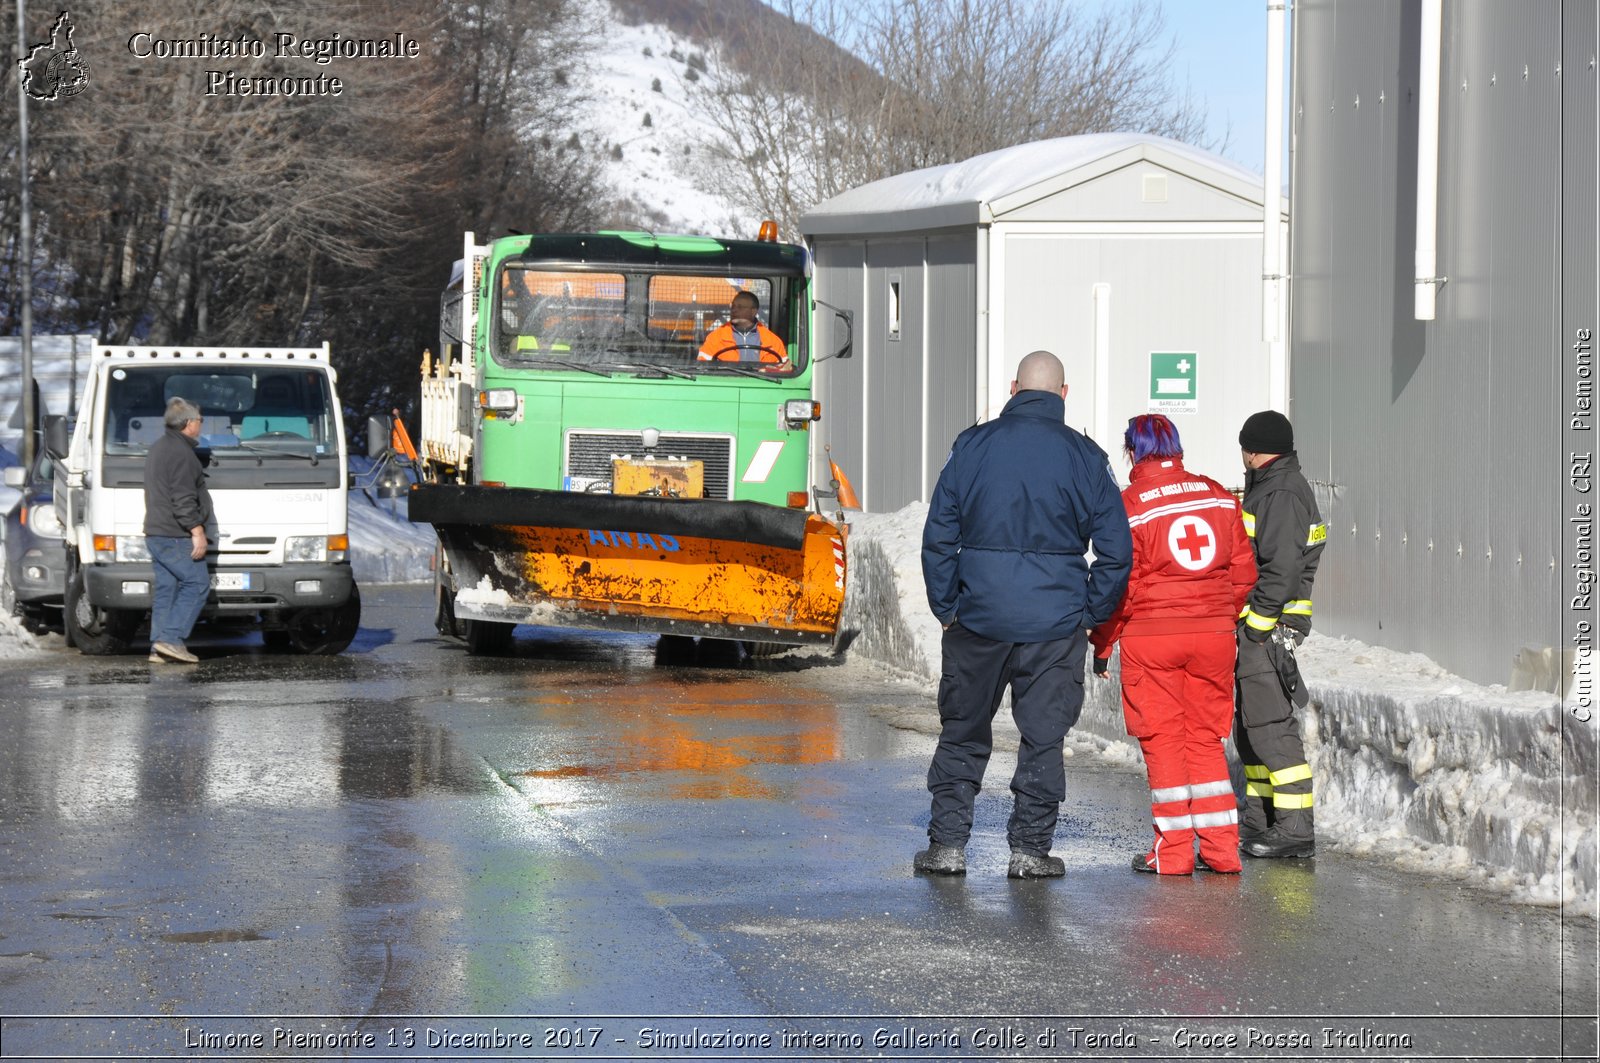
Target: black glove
(1101, 664)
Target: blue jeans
(180, 591)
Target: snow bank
(385, 547)
(16, 642)
(1422, 766)
(1413, 765)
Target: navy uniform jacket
(1016, 508)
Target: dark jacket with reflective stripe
(1281, 518)
(1017, 505)
(175, 497)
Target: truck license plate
(230, 581)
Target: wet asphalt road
(581, 853)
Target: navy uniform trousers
(1046, 681)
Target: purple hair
(1150, 435)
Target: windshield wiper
(271, 451)
(663, 370)
(563, 364)
(724, 367)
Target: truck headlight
(801, 411)
(305, 548)
(316, 547)
(45, 521)
(500, 400)
(132, 548)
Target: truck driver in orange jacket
(743, 338)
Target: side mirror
(849, 319)
(55, 436)
(16, 476)
(392, 481)
(380, 429)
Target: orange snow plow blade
(736, 570)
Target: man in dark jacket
(177, 507)
(1287, 533)
(1016, 508)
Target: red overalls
(1192, 571)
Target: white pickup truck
(275, 446)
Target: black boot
(1293, 836)
(1201, 865)
(1142, 864)
(939, 859)
(1028, 865)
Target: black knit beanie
(1267, 432)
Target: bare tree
(166, 211)
(922, 83)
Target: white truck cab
(273, 440)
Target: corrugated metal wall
(1436, 448)
(919, 384)
(952, 308)
(894, 374)
(839, 384)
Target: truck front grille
(589, 455)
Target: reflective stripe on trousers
(1281, 789)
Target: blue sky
(1221, 55)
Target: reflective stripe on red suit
(1192, 571)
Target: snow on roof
(964, 193)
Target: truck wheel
(444, 600)
(95, 631)
(675, 651)
(766, 649)
(487, 638)
(325, 632)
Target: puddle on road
(213, 937)
(707, 739)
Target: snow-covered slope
(643, 120)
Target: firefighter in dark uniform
(1287, 533)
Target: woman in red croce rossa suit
(1192, 570)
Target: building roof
(983, 188)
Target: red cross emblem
(1192, 542)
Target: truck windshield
(246, 411)
(665, 324)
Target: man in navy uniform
(1017, 506)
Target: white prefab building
(1136, 259)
